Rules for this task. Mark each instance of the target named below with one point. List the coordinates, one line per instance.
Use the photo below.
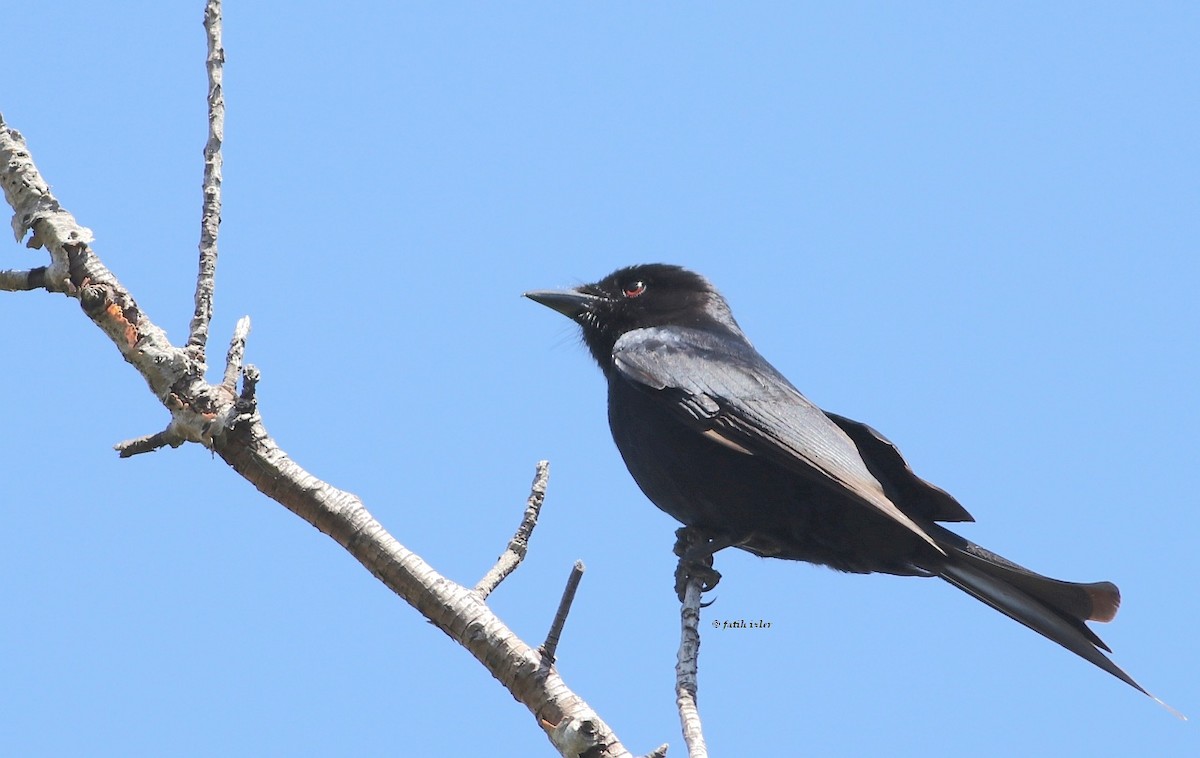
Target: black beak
(570, 303)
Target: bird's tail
(1055, 609)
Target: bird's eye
(634, 289)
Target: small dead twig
(149, 443)
(518, 546)
(19, 281)
(550, 646)
(237, 350)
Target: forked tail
(1055, 609)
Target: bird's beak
(570, 303)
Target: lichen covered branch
(210, 215)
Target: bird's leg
(695, 548)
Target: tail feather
(1096, 601)
(1055, 609)
(1011, 600)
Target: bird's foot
(695, 549)
(684, 572)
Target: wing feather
(722, 386)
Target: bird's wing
(722, 387)
(886, 462)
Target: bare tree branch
(210, 217)
(518, 546)
(229, 424)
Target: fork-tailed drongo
(720, 440)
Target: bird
(720, 440)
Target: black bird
(717, 438)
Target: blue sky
(972, 226)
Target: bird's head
(638, 297)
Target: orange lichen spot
(131, 335)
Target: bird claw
(695, 551)
(687, 571)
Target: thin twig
(550, 646)
(237, 350)
(17, 281)
(686, 670)
(149, 443)
(210, 217)
(519, 544)
(250, 377)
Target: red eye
(634, 289)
